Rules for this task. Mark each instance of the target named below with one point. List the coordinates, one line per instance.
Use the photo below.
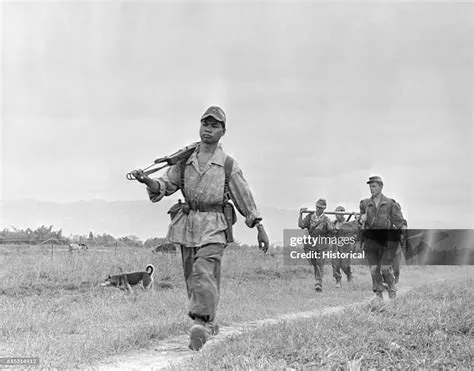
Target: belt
(198, 206)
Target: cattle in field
(77, 247)
(166, 247)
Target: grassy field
(431, 327)
(51, 305)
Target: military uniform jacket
(321, 226)
(205, 186)
(386, 216)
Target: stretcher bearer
(317, 224)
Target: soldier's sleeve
(397, 217)
(361, 226)
(362, 207)
(169, 184)
(242, 197)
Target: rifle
(170, 160)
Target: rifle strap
(228, 165)
(182, 167)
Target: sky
(319, 96)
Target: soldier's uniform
(378, 236)
(200, 230)
(344, 264)
(396, 262)
(317, 226)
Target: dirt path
(175, 351)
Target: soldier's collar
(217, 158)
(383, 200)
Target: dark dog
(125, 281)
(166, 247)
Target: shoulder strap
(228, 165)
(182, 167)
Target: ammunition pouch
(174, 210)
(231, 218)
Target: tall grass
(51, 305)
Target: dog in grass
(125, 281)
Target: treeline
(38, 235)
(46, 234)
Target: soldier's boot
(349, 278)
(318, 287)
(377, 301)
(396, 278)
(199, 334)
(377, 304)
(338, 284)
(392, 294)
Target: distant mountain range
(121, 218)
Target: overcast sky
(318, 97)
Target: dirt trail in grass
(174, 351)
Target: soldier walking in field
(382, 220)
(318, 225)
(202, 227)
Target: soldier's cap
(321, 202)
(216, 112)
(375, 179)
(340, 208)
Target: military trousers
(396, 262)
(317, 262)
(343, 264)
(380, 255)
(202, 273)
